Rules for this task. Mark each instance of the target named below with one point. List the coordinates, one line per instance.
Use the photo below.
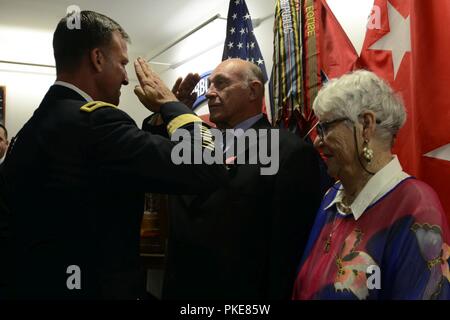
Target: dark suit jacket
(245, 240)
(76, 183)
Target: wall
(352, 16)
(25, 88)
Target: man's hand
(152, 91)
(183, 89)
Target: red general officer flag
(407, 44)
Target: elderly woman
(379, 233)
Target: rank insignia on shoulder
(94, 105)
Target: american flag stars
(240, 41)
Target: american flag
(240, 41)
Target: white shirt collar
(74, 88)
(381, 183)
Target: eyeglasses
(323, 127)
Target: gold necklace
(333, 228)
(344, 208)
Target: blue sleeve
(413, 268)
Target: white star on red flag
(398, 40)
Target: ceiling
(155, 24)
(151, 24)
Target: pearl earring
(367, 152)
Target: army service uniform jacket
(76, 178)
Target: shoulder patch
(182, 120)
(94, 105)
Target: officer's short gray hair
(360, 91)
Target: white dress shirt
(74, 88)
(381, 183)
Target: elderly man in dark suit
(75, 177)
(244, 240)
